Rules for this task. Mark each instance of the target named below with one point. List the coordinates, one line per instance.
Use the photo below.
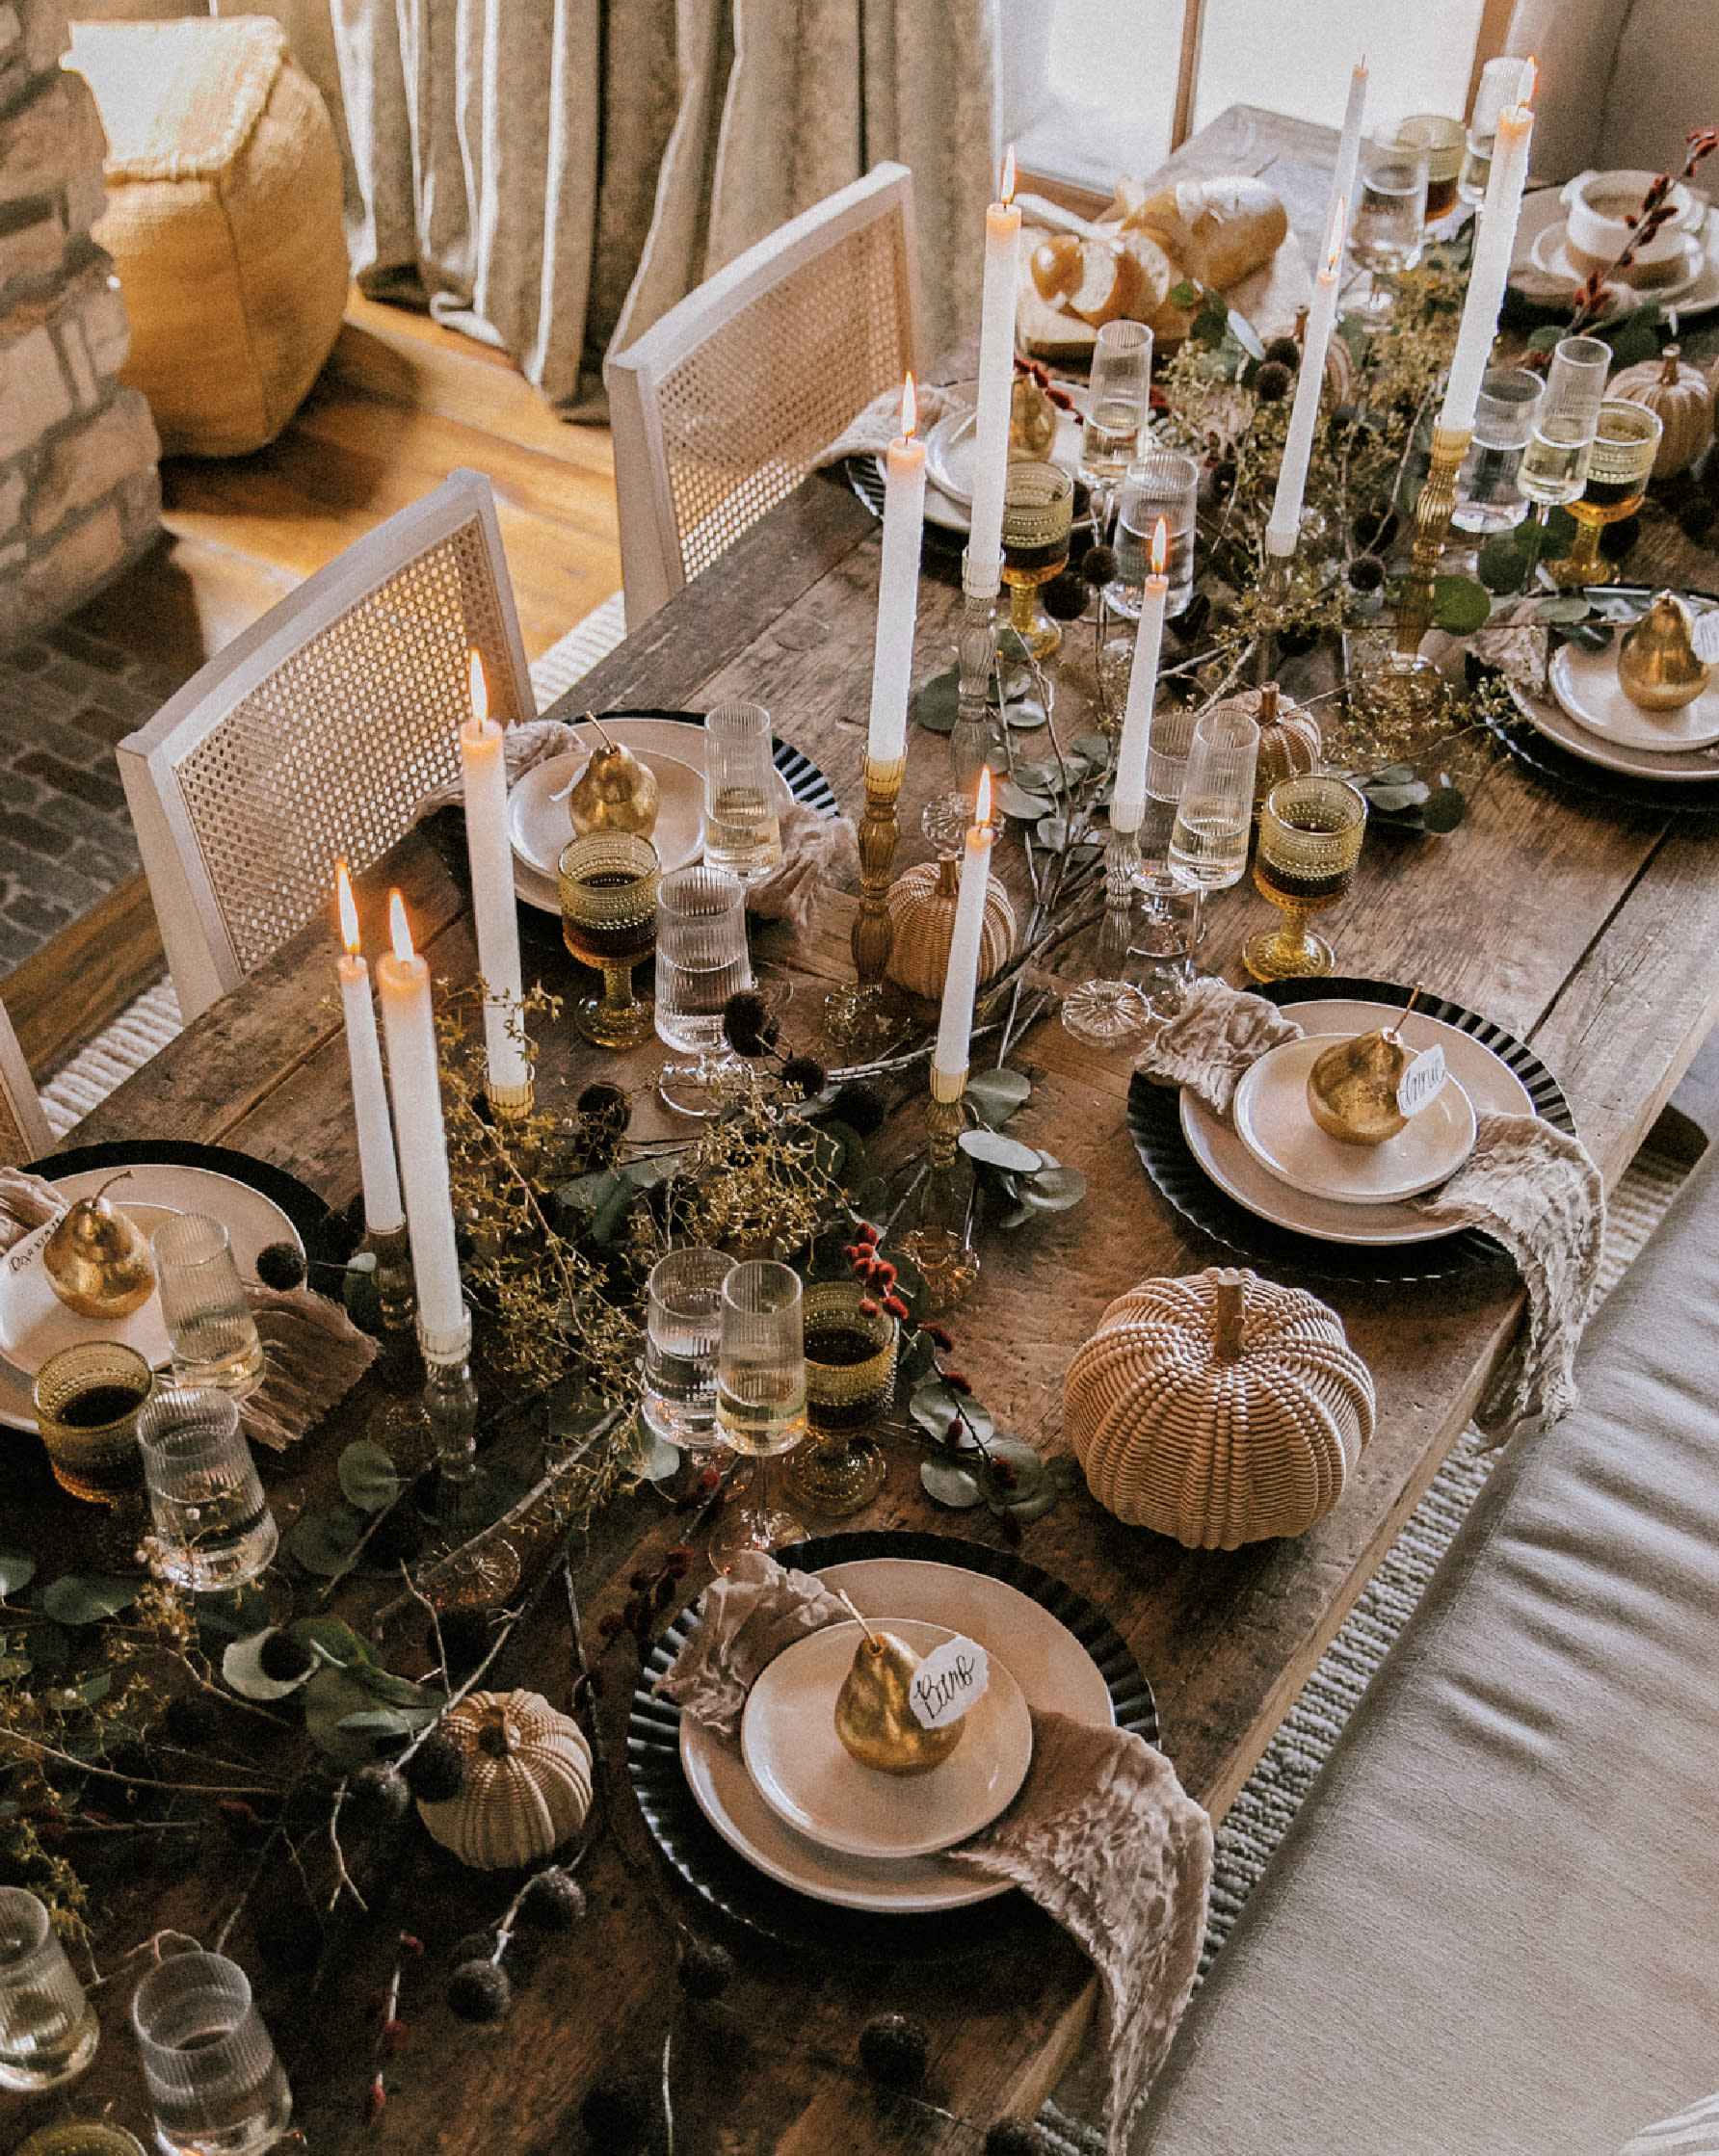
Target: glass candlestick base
(938, 1243)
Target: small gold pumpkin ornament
(1679, 396)
(1218, 1410)
(1290, 743)
(527, 1785)
(921, 904)
(98, 1260)
(1658, 669)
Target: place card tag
(24, 1256)
(1420, 1082)
(1704, 637)
(950, 1680)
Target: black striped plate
(1154, 1122)
(805, 780)
(733, 1889)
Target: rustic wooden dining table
(1585, 927)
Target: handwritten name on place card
(949, 1680)
(1421, 1083)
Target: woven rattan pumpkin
(922, 917)
(1290, 744)
(527, 1781)
(1683, 402)
(1219, 1408)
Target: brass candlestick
(939, 1244)
(855, 1015)
(1433, 513)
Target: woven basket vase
(1218, 1410)
(224, 219)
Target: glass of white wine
(741, 831)
(1385, 232)
(1118, 403)
(1214, 815)
(1554, 466)
(761, 1397)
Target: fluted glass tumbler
(683, 1331)
(742, 833)
(760, 1395)
(1160, 483)
(48, 2030)
(701, 961)
(1214, 815)
(213, 1528)
(214, 1336)
(214, 2086)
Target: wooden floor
(401, 404)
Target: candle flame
(982, 802)
(349, 912)
(480, 689)
(1160, 547)
(1334, 252)
(1524, 90)
(400, 928)
(909, 409)
(1008, 179)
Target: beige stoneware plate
(1275, 1123)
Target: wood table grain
(1582, 928)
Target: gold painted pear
(614, 792)
(1352, 1088)
(97, 1261)
(875, 1717)
(1658, 667)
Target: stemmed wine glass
(761, 1397)
(608, 920)
(1620, 465)
(1038, 513)
(1387, 232)
(1310, 840)
(1554, 466)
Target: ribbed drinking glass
(761, 1394)
(683, 1331)
(700, 961)
(214, 1336)
(742, 833)
(48, 2030)
(214, 2086)
(213, 1529)
(1214, 815)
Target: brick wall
(79, 493)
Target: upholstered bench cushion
(223, 218)
(1493, 1929)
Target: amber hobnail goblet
(608, 920)
(1310, 840)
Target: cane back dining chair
(24, 1133)
(720, 408)
(318, 732)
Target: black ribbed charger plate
(1154, 1122)
(723, 1880)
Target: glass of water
(1554, 466)
(48, 2030)
(214, 2086)
(1488, 498)
(1214, 816)
(1115, 411)
(760, 1396)
(213, 1527)
(700, 961)
(214, 1336)
(1385, 230)
(1162, 483)
(683, 1330)
(741, 831)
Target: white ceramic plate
(1586, 684)
(1050, 1666)
(949, 466)
(1542, 211)
(1556, 724)
(1551, 254)
(252, 1222)
(1274, 1122)
(801, 1768)
(674, 739)
(1490, 1085)
(538, 823)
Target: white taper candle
(961, 982)
(1127, 802)
(1489, 270)
(1342, 172)
(996, 390)
(403, 983)
(377, 1165)
(1285, 526)
(491, 857)
(898, 589)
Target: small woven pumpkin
(1290, 743)
(1680, 397)
(922, 916)
(527, 1781)
(1218, 1410)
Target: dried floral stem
(344, 1882)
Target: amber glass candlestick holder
(938, 1243)
(855, 1015)
(1407, 679)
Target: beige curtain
(1622, 82)
(553, 174)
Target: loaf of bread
(1218, 229)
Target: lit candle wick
(982, 801)
(909, 409)
(349, 912)
(1008, 182)
(1160, 547)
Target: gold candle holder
(855, 1014)
(939, 1244)
(1433, 513)
(511, 1104)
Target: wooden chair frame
(24, 1132)
(653, 557)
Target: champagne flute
(1038, 511)
(760, 1396)
(1619, 464)
(1554, 466)
(1118, 402)
(1215, 814)
(608, 920)
(1310, 840)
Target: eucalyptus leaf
(1389, 800)
(1026, 1510)
(386, 1722)
(1053, 1190)
(1095, 748)
(1026, 714)
(1012, 800)
(93, 1688)
(1504, 564)
(1016, 1217)
(242, 1668)
(89, 1597)
(1038, 778)
(1065, 1471)
(937, 706)
(996, 1094)
(16, 1570)
(646, 1174)
(1392, 775)
(1460, 605)
(330, 1697)
(946, 1483)
(588, 1194)
(1053, 832)
(367, 1477)
(642, 1453)
(334, 1638)
(1563, 607)
(915, 1361)
(992, 1146)
(323, 1542)
(1633, 340)
(932, 1406)
(397, 1692)
(1087, 851)
(1245, 335)
(910, 1285)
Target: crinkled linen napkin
(1528, 1184)
(813, 846)
(315, 1355)
(877, 425)
(1102, 1835)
